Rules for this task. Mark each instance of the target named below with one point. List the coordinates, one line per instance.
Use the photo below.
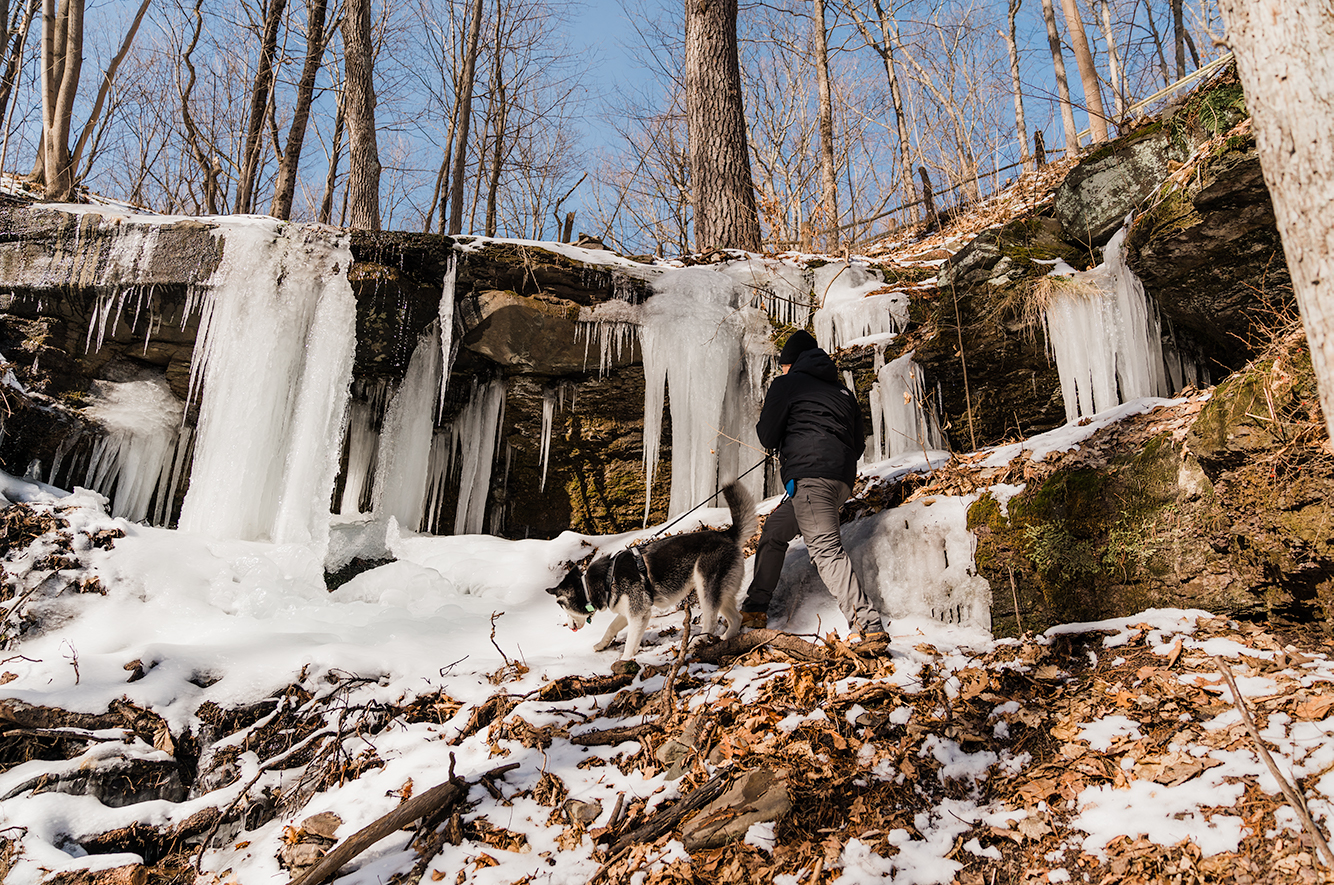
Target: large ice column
(362, 449)
(133, 462)
(476, 434)
(901, 418)
(274, 361)
(853, 302)
(1106, 337)
(401, 469)
(694, 340)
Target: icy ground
(948, 757)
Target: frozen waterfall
(712, 354)
(852, 302)
(273, 360)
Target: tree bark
(464, 119)
(721, 190)
(828, 173)
(59, 172)
(1287, 72)
(497, 156)
(1113, 61)
(1179, 36)
(1016, 84)
(261, 93)
(363, 178)
(208, 166)
(1062, 85)
(296, 134)
(1088, 74)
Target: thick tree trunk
(363, 177)
(1088, 74)
(721, 190)
(1062, 85)
(464, 119)
(261, 93)
(296, 135)
(1016, 84)
(59, 171)
(1287, 70)
(828, 173)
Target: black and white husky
(661, 573)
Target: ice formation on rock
(1106, 337)
(134, 462)
(475, 435)
(447, 343)
(846, 309)
(273, 363)
(902, 420)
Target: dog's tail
(742, 505)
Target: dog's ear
(554, 591)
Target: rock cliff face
(88, 295)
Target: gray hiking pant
(812, 512)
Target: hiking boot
(870, 633)
(754, 620)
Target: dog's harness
(609, 584)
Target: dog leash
(763, 461)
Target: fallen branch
(663, 820)
(568, 688)
(1293, 795)
(608, 736)
(792, 646)
(669, 684)
(431, 802)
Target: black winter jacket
(813, 421)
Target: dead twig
(1290, 791)
(669, 684)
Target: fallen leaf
(1317, 707)
(1033, 828)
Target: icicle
(447, 329)
(362, 448)
(127, 261)
(274, 358)
(405, 439)
(134, 458)
(549, 397)
(442, 455)
(476, 430)
(612, 326)
(782, 290)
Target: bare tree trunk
(335, 154)
(53, 48)
(261, 92)
(497, 155)
(20, 39)
(296, 134)
(1113, 61)
(464, 119)
(59, 172)
(363, 177)
(1179, 36)
(208, 166)
(1012, 47)
(1287, 72)
(828, 174)
(1088, 74)
(721, 189)
(1062, 85)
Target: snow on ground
(456, 621)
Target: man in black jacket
(816, 425)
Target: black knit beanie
(798, 343)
